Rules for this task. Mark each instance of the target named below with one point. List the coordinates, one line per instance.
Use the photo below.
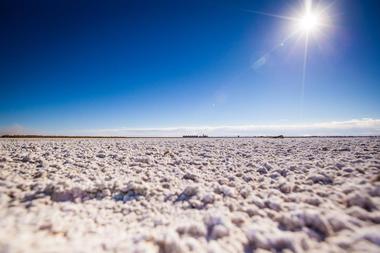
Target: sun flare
(311, 19)
(310, 22)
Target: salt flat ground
(190, 195)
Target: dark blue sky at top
(71, 65)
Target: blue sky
(117, 67)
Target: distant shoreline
(176, 137)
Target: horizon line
(186, 137)
(353, 127)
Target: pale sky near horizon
(187, 67)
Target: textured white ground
(190, 195)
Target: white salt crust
(190, 195)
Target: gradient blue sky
(83, 66)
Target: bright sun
(310, 22)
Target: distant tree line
(195, 136)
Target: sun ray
(304, 68)
(311, 21)
(328, 6)
(289, 18)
